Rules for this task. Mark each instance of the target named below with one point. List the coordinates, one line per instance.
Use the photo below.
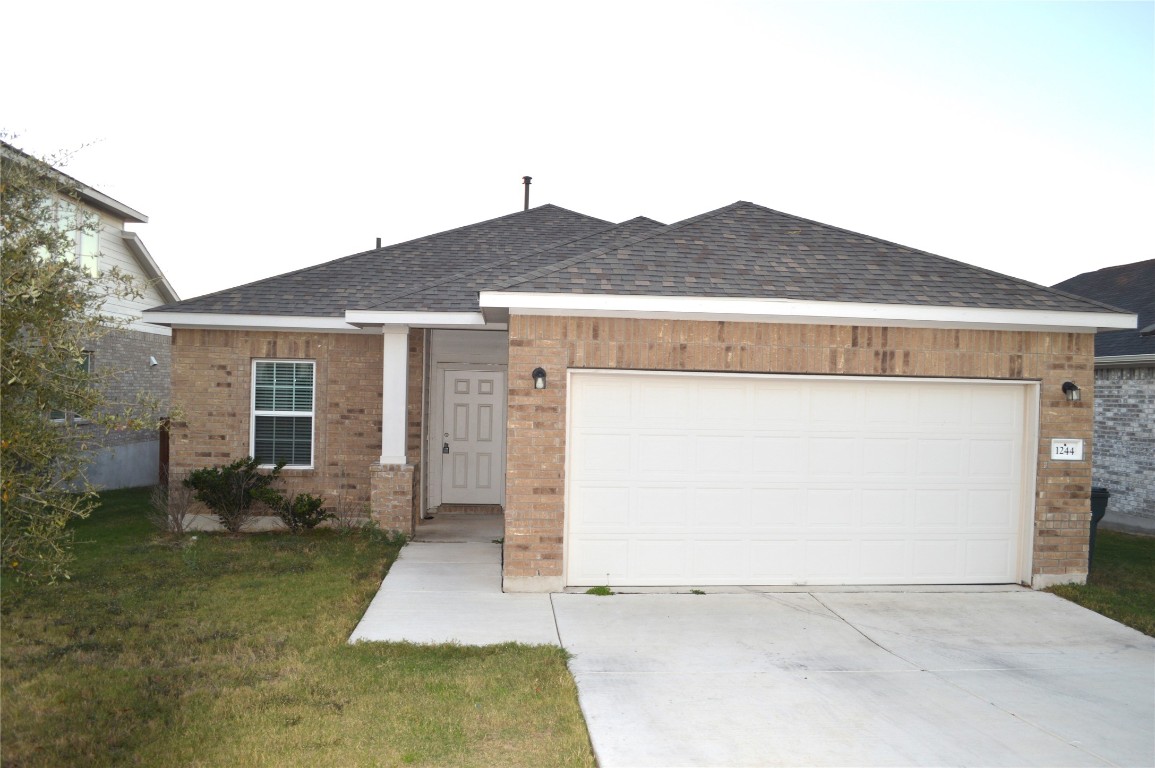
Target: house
(1124, 391)
(137, 354)
(743, 397)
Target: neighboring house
(1124, 388)
(138, 355)
(744, 397)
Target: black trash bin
(1099, 498)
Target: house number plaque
(1064, 449)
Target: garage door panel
(660, 508)
(823, 482)
(601, 455)
(602, 508)
(991, 509)
(662, 454)
(779, 405)
(776, 508)
(715, 559)
(663, 557)
(832, 456)
(830, 560)
(886, 456)
(885, 508)
(775, 560)
(991, 458)
(722, 454)
(720, 509)
(778, 454)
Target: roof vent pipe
(526, 180)
(378, 242)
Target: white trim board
(790, 311)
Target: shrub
(298, 511)
(169, 502)
(230, 490)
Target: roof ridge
(974, 267)
(475, 270)
(543, 271)
(384, 248)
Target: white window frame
(83, 227)
(312, 413)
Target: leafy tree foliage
(51, 407)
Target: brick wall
(535, 485)
(123, 357)
(212, 385)
(1125, 438)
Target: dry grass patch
(231, 651)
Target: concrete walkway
(446, 588)
(998, 676)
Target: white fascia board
(789, 311)
(248, 322)
(1124, 361)
(98, 199)
(150, 267)
(363, 317)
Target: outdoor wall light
(539, 378)
(1071, 390)
(152, 363)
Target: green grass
(231, 651)
(1122, 581)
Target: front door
(473, 443)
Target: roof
(747, 251)
(89, 195)
(1130, 286)
(367, 280)
(740, 253)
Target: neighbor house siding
(535, 485)
(1125, 438)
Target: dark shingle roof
(458, 292)
(1131, 286)
(365, 280)
(748, 251)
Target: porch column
(394, 480)
(393, 394)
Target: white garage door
(684, 479)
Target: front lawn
(1122, 581)
(231, 651)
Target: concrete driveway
(902, 677)
(990, 678)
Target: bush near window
(230, 491)
(298, 511)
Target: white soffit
(790, 311)
(363, 317)
(243, 322)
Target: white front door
(473, 443)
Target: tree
(51, 406)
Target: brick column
(393, 487)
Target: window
(83, 229)
(283, 412)
(84, 368)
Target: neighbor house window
(283, 412)
(82, 228)
(84, 369)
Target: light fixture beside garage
(1071, 390)
(538, 378)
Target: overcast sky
(261, 138)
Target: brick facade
(1125, 438)
(212, 386)
(535, 483)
